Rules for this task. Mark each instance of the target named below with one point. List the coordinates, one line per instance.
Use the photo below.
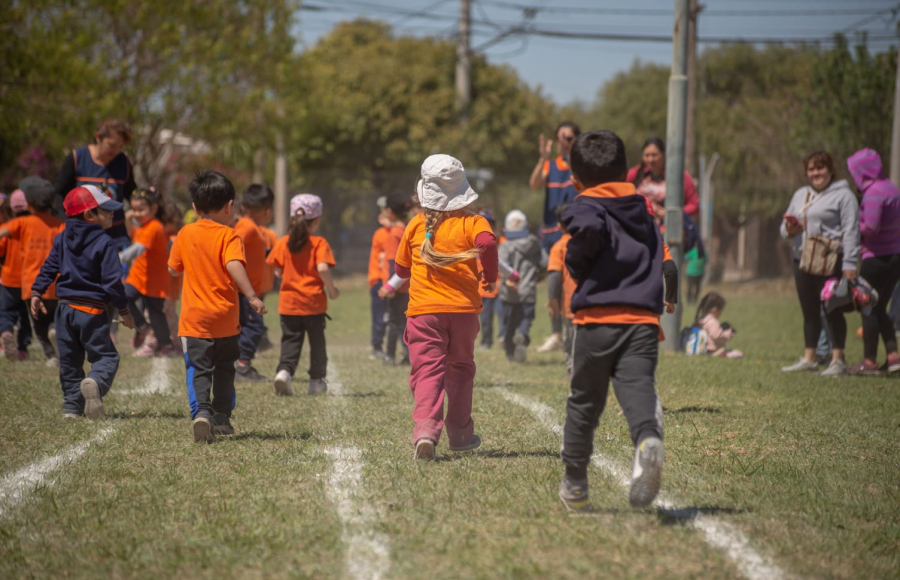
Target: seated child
(717, 333)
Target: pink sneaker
(864, 368)
(23, 355)
(893, 363)
(147, 350)
(167, 352)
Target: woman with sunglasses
(650, 178)
(556, 179)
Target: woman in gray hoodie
(826, 207)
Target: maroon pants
(441, 352)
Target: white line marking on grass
(15, 487)
(718, 534)
(158, 381)
(335, 386)
(368, 554)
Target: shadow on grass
(359, 395)
(681, 516)
(693, 409)
(269, 436)
(497, 454)
(147, 415)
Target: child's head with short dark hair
(257, 197)
(39, 193)
(598, 157)
(210, 191)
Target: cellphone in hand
(791, 220)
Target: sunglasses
(568, 138)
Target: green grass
(806, 467)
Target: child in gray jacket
(518, 293)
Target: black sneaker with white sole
(221, 424)
(93, 404)
(203, 430)
(248, 374)
(574, 494)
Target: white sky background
(570, 69)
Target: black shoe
(221, 424)
(521, 349)
(248, 374)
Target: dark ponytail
(298, 232)
(707, 303)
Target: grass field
(767, 475)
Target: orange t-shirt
(11, 272)
(302, 289)
(149, 272)
(268, 271)
(175, 282)
(391, 245)
(209, 297)
(481, 291)
(450, 289)
(35, 233)
(557, 263)
(379, 240)
(254, 251)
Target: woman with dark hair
(556, 177)
(826, 208)
(102, 163)
(649, 178)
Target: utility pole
(895, 135)
(281, 179)
(675, 135)
(690, 143)
(463, 62)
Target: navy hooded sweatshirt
(616, 251)
(87, 261)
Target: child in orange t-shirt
(13, 306)
(147, 280)
(256, 210)
(560, 287)
(376, 267)
(396, 210)
(34, 234)
(305, 263)
(210, 255)
(438, 255)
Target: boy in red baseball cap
(90, 276)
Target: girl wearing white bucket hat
(437, 254)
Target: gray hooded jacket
(527, 257)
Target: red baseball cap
(88, 197)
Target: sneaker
(521, 348)
(202, 427)
(893, 363)
(264, 344)
(424, 449)
(318, 386)
(801, 365)
(71, 415)
(388, 362)
(93, 404)
(475, 443)
(22, 355)
(51, 334)
(864, 368)
(376, 354)
(283, 384)
(140, 335)
(9, 345)
(221, 424)
(837, 368)
(248, 374)
(646, 472)
(52, 363)
(574, 494)
(147, 350)
(552, 343)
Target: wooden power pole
(463, 62)
(690, 137)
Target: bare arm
(325, 274)
(538, 180)
(4, 233)
(174, 273)
(239, 274)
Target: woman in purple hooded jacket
(879, 229)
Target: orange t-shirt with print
(557, 263)
(391, 245)
(254, 251)
(450, 289)
(209, 296)
(35, 234)
(481, 291)
(302, 290)
(268, 271)
(149, 272)
(379, 241)
(11, 272)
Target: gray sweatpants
(627, 354)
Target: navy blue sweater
(87, 262)
(616, 251)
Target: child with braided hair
(438, 255)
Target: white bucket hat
(443, 185)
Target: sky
(574, 69)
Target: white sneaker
(837, 368)
(553, 342)
(646, 472)
(51, 334)
(283, 384)
(801, 365)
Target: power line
(704, 40)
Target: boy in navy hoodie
(618, 258)
(90, 275)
